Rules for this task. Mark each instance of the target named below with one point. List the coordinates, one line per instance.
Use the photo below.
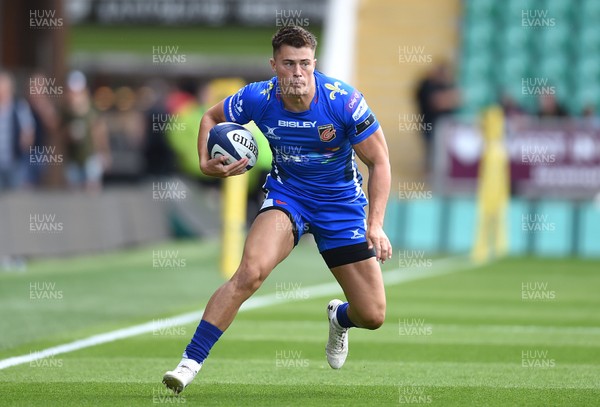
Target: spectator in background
(159, 157)
(516, 116)
(47, 122)
(590, 118)
(510, 106)
(16, 134)
(549, 107)
(437, 96)
(183, 96)
(186, 106)
(88, 151)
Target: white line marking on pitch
(397, 276)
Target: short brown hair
(294, 36)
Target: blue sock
(342, 316)
(203, 340)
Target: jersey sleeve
(359, 118)
(247, 103)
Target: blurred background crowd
(108, 134)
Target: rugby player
(315, 126)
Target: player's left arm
(373, 151)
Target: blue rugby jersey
(312, 150)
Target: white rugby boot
(337, 345)
(178, 378)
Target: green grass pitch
(516, 332)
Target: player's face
(294, 68)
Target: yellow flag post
(235, 192)
(493, 189)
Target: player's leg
(340, 231)
(359, 275)
(270, 240)
(362, 283)
(268, 243)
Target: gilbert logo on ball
(232, 140)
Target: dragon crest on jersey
(326, 132)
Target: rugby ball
(234, 141)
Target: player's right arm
(216, 167)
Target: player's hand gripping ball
(234, 141)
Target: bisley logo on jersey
(296, 124)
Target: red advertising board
(548, 158)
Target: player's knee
(248, 278)
(374, 322)
(374, 318)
